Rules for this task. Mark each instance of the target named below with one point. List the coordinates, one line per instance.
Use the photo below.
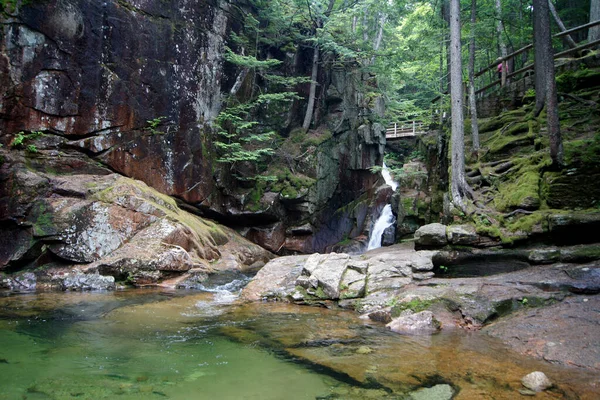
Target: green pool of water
(148, 344)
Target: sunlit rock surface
(119, 228)
(339, 276)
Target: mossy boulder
(573, 188)
(121, 228)
(523, 193)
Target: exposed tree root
(504, 167)
(579, 99)
(493, 164)
(517, 211)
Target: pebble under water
(153, 344)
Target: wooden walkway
(492, 68)
(399, 131)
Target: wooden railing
(398, 130)
(529, 67)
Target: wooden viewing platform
(397, 131)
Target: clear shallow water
(148, 344)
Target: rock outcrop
(323, 277)
(85, 74)
(73, 227)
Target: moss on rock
(523, 193)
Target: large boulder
(86, 225)
(78, 281)
(339, 276)
(462, 235)
(276, 280)
(536, 381)
(431, 235)
(574, 227)
(20, 282)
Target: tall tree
(501, 43)
(317, 21)
(458, 187)
(472, 100)
(594, 32)
(567, 38)
(545, 82)
(377, 42)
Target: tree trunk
(365, 23)
(446, 18)
(318, 23)
(501, 44)
(313, 90)
(567, 38)
(594, 32)
(540, 59)
(459, 188)
(472, 99)
(238, 81)
(545, 82)
(379, 37)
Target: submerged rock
(421, 323)
(437, 392)
(536, 381)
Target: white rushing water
(386, 218)
(383, 222)
(388, 178)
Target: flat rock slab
(566, 333)
(276, 280)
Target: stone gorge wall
(94, 72)
(91, 74)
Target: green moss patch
(415, 305)
(208, 232)
(527, 223)
(43, 221)
(523, 193)
(584, 151)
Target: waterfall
(388, 177)
(386, 218)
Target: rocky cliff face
(93, 74)
(132, 87)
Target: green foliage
(519, 193)
(11, 5)
(392, 302)
(18, 140)
(526, 223)
(249, 61)
(242, 139)
(291, 185)
(584, 151)
(22, 138)
(153, 125)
